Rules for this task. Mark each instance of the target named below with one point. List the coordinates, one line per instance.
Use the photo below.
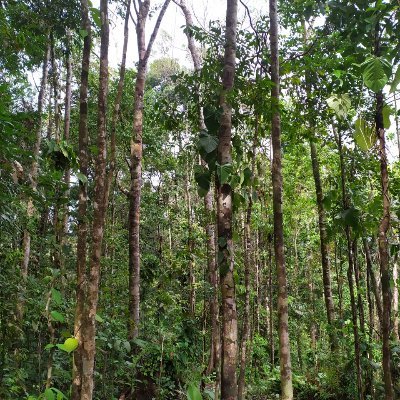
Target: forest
(199, 200)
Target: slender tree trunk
(224, 216)
(326, 270)
(136, 163)
(246, 312)
(383, 252)
(396, 299)
(350, 272)
(374, 283)
(117, 105)
(248, 253)
(67, 124)
(92, 295)
(277, 184)
(214, 359)
(271, 304)
(33, 172)
(82, 204)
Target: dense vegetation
(225, 231)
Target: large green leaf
(396, 80)
(364, 135)
(208, 142)
(193, 392)
(57, 316)
(340, 104)
(375, 74)
(224, 173)
(56, 296)
(387, 111)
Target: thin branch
(155, 30)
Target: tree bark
(82, 203)
(374, 283)
(383, 252)
(99, 207)
(136, 163)
(326, 270)
(350, 271)
(33, 172)
(117, 106)
(224, 215)
(277, 187)
(214, 359)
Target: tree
(284, 346)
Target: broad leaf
(364, 135)
(56, 296)
(193, 392)
(83, 178)
(387, 111)
(49, 395)
(71, 344)
(208, 142)
(396, 80)
(224, 173)
(375, 73)
(340, 104)
(57, 316)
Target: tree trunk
(383, 252)
(374, 283)
(92, 295)
(33, 172)
(350, 271)
(214, 359)
(248, 258)
(326, 270)
(246, 312)
(117, 105)
(224, 216)
(136, 163)
(82, 204)
(283, 315)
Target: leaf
(96, 16)
(396, 80)
(364, 135)
(141, 343)
(374, 75)
(49, 395)
(98, 318)
(83, 33)
(222, 241)
(340, 104)
(193, 392)
(351, 217)
(71, 344)
(208, 142)
(57, 316)
(387, 111)
(127, 346)
(56, 296)
(49, 346)
(224, 173)
(83, 178)
(203, 177)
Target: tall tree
(33, 175)
(81, 248)
(214, 359)
(277, 184)
(99, 207)
(224, 214)
(142, 12)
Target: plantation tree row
(225, 230)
